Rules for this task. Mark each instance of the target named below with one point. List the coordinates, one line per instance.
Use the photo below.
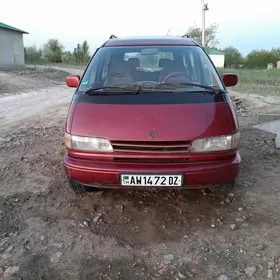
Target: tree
(260, 58)
(85, 49)
(78, 54)
(53, 50)
(67, 57)
(32, 54)
(275, 52)
(233, 57)
(81, 53)
(211, 31)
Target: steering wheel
(176, 75)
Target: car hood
(167, 122)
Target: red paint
(230, 80)
(196, 174)
(71, 113)
(170, 122)
(72, 80)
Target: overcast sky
(245, 24)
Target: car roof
(150, 41)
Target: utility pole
(204, 9)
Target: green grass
(261, 82)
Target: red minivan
(151, 112)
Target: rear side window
(149, 64)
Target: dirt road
(47, 232)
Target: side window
(148, 61)
(130, 55)
(168, 55)
(164, 56)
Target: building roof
(214, 51)
(150, 41)
(6, 26)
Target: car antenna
(113, 36)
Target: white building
(217, 57)
(11, 46)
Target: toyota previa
(151, 112)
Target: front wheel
(77, 187)
(223, 189)
(81, 189)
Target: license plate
(151, 180)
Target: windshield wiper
(205, 87)
(134, 89)
(125, 89)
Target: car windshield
(150, 65)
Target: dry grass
(261, 82)
(63, 65)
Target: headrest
(118, 66)
(163, 61)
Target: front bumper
(105, 174)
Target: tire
(223, 189)
(77, 187)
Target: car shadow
(142, 217)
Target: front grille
(151, 147)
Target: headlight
(88, 144)
(215, 144)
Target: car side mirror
(73, 80)
(230, 80)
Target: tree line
(54, 52)
(256, 59)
